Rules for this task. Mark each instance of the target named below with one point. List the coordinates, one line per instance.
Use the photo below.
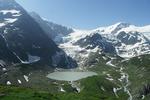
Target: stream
(124, 80)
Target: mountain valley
(31, 48)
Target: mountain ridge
(24, 37)
(122, 36)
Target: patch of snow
(104, 57)
(2, 63)
(102, 88)
(2, 24)
(19, 81)
(4, 69)
(12, 11)
(17, 15)
(110, 63)
(62, 90)
(108, 75)
(10, 20)
(123, 76)
(110, 79)
(8, 83)
(26, 78)
(31, 59)
(115, 92)
(143, 97)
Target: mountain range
(31, 47)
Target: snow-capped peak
(78, 34)
(113, 28)
(128, 40)
(132, 28)
(123, 24)
(109, 31)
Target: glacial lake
(70, 75)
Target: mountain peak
(113, 28)
(122, 24)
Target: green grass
(19, 93)
(91, 91)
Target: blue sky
(88, 14)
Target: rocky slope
(25, 47)
(54, 31)
(24, 38)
